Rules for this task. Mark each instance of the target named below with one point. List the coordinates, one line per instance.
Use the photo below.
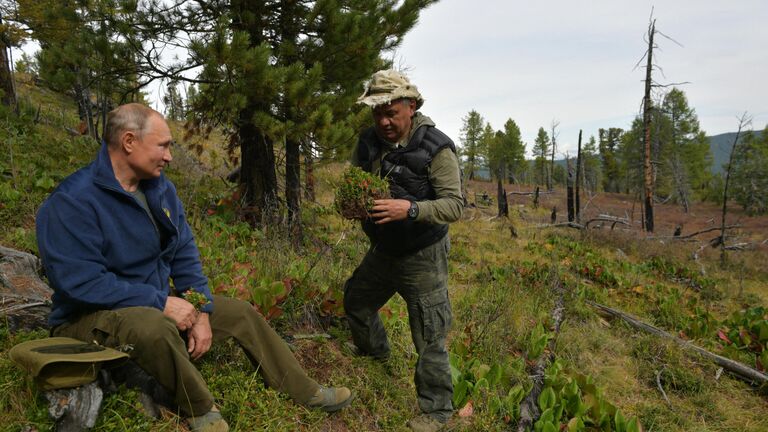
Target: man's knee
(143, 325)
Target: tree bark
(647, 109)
(24, 298)
(501, 196)
(257, 175)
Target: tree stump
(25, 300)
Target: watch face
(413, 211)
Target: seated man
(112, 236)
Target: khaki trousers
(160, 350)
(421, 279)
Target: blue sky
(574, 62)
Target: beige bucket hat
(388, 85)
(61, 362)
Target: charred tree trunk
(647, 110)
(579, 177)
(501, 196)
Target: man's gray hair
(129, 117)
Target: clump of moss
(357, 192)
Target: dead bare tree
(550, 183)
(647, 110)
(578, 180)
(744, 121)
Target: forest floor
(605, 376)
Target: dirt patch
(667, 217)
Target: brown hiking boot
(331, 399)
(208, 422)
(425, 423)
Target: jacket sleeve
(445, 177)
(70, 240)
(186, 268)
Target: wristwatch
(413, 211)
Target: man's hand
(199, 337)
(181, 312)
(390, 210)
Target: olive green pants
(422, 280)
(160, 350)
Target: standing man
(112, 236)
(409, 238)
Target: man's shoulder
(77, 184)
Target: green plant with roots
(358, 191)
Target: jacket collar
(104, 175)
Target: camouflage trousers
(421, 279)
(161, 350)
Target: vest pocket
(436, 315)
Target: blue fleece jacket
(100, 249)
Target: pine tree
(540, 153)
(175, 107)
(507, 155)
(685, 155)
(471, 142)
(282, 75)
(590, 165)
(609, 145)
(749, 178)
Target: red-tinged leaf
(467, 411)
(288, 283)
(386, 311)
(274, 312)
(721, 334)
(598, 271)
(507, 419)
(211, 212)
(759, 364)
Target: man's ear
(128, 141)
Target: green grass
(499, 286)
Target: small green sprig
(196, 298)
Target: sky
(573, 62)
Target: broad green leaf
(547, 399)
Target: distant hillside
(720, 146)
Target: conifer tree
(685, 154)
(471, 142)
(540, 153)
(749, 178)
(590, 165)
(281, 75)
(507, 155)
(609, 145)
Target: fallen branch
(739, 370)
(529, 407)
(529, 193)
(661, 388)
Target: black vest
(407, 170)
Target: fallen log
(529, 407)
(741, 371)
